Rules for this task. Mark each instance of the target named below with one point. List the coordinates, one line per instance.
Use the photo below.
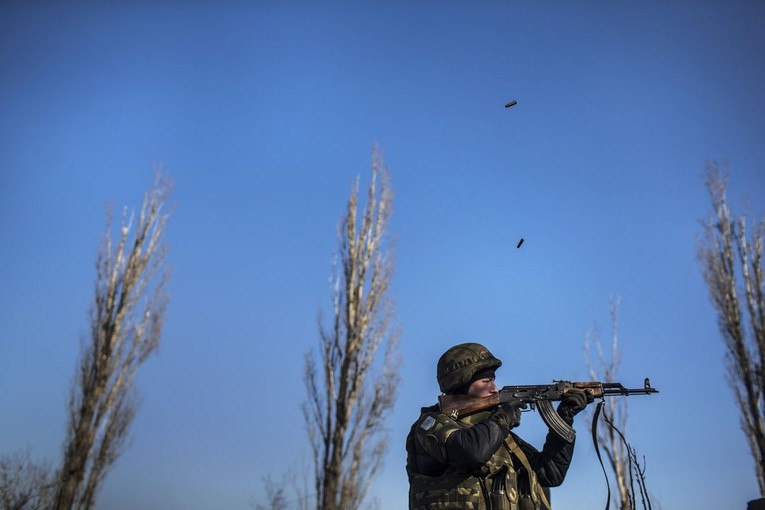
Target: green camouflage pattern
(459, 364)
(455, 489)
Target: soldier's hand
(508, 416)
(575, 401)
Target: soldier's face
(482, 388)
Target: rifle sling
(597, 448)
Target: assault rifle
(538, 396)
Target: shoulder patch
(428, 423)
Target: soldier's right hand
(508, 416)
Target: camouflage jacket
(472, 463)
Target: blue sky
(264, 113)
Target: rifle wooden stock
(463, 405)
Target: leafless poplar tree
(125, 327)
(24, 485)
(626, 468)
(352, 390)
(615, 409)
(731, 262)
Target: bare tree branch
(125, 329)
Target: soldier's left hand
(575, 401)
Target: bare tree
(731, 262)
(615, 409)
(352, 390)
(125, 327)
(24, 485)
(277, 496)
(622, 458)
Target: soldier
(476, 462)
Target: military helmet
(460, 363)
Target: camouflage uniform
(475, 462)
